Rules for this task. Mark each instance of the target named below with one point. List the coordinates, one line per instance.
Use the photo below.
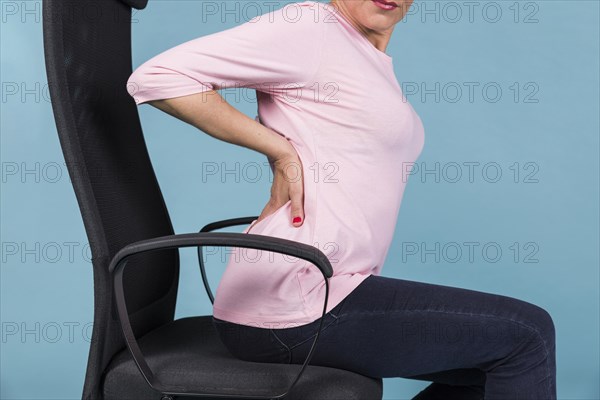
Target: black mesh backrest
(87, 45)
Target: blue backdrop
(504, 200)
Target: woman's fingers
(296, 191)
(297, 208)
(289, 184)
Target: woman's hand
(213, 115)
(288, 183)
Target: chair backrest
(87, 47)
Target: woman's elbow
(138, 83)
(154, 82)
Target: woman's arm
(275, 53)
(211, 113)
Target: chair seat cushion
(187, 353)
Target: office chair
(138, 350)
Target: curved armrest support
(246, 240)
(211, 227)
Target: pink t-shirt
(335, 97)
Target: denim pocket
(296, 336)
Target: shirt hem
(168, 93)
(293, 320)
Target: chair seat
(188, 353)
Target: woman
(339, 136)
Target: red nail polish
(296, 219)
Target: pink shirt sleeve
(264, 53)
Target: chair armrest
(211, 227)
(246, 240)
(225, 223)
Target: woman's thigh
(391, 327)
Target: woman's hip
(395, 327)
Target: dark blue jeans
(469, 344)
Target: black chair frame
(245, 240)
